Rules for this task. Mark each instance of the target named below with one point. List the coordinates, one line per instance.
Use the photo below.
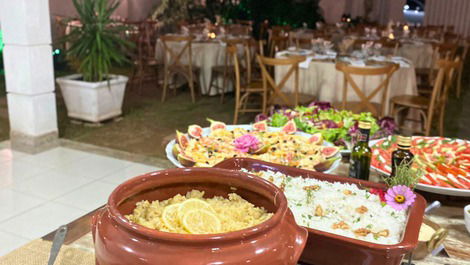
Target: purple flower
(261, 117)
(321, 105)
(400, 197)
(388, 125)
(354, 129)
(246, 142)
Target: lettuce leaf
(278, 120)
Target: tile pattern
(40, 192)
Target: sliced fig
(195, 131)
(182, 139)
(316, 139)
(216, 125)
(324, 166)
(289, 127)
(176, 150)
(329, 151)
(261, 126)
(185, 160)
(261, 150)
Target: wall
(449, 12)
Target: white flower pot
(93, 101)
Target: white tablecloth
(418, 52)
(205, 56)
(322, 80)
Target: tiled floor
(38, 193)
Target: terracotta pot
(330, 249)
(119, 242)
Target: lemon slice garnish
(201, 222)
(170, 216)
(192, 204)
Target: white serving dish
(206, 131)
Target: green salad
(336, 126)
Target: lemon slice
(201, 222)
(192, 204)
(170, 216)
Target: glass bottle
(402, 154)
(361, 153)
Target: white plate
(206, 131)
(429, 188)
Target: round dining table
(318, 77)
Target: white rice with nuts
(338, 208)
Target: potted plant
(94, 94)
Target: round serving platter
(206, 131)
(426, 187)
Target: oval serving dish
(120, 242)
(330, 249)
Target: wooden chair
(386, 70)
(428, 107)
(277, 43)
(463, 55)
(440, 51)
(173, 65)
(146, 67)
(243, 92)
(275, 94)
(391, 45)
(226, 70)
(302, 43)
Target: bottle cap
(364, 125)
(404, 141)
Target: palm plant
(98, 42)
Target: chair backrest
(392, 45)
(172, 56)
(386, 70)
(444, 80)
(302, 42)
(277, 43)
(275, 89)
(441, 51)
(239, 30)
(245, 60)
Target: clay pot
(119, 242)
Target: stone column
(29, 74)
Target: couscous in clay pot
(119, 242)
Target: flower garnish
(400, 197)
(378, 192)
(246, 143)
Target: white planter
(93, 101)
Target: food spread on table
(194, 214)
(335, 126)
(283, 146)
(340, 208)
(445, 162)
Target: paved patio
(38, 193)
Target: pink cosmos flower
(246, 143)
(400, 197)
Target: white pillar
(29, 74)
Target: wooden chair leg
(211, 83)
(165, 85)
(459, 81)
(441, 121)
(237, 109)
(191, 86)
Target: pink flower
(246, 143)
(400, 197)
(378, 192)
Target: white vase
(93, 101)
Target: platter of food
(336, 126)
(205, 147)
(445, 163)
(348, 220)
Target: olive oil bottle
(361, 153)
(402, 154)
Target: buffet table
(78, 246)
(321, 79)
